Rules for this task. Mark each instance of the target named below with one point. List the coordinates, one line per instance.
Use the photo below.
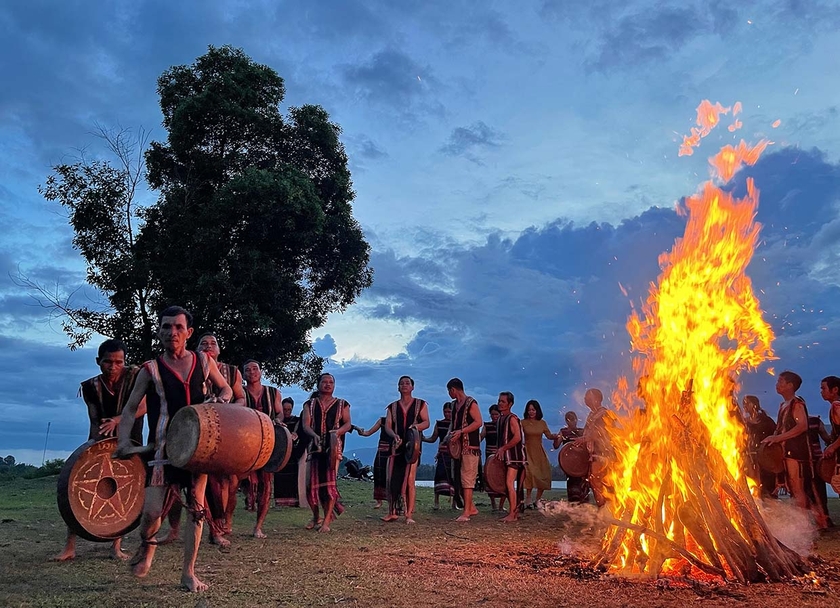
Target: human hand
(770, 440)
(109, 426)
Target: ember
(681, 504)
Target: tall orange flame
(699, 328)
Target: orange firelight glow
(699, 328)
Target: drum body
(495, 472)
(219, 438)
(282, 451)
(412, 446)
(455, 447)
(574, 459)
(771, 457)
(99, 498)
(827, 468)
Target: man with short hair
(466, 422)
(511, 452)
(170, 383)
(792, 433)
(265, 399)
(830, 392)
(758, 426)
(402, 415)
(105, 396)
(597, 439)
(290, 482)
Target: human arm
(800, 426)
(346, 425)
(431, 438)
(516, 437)
(389, 428)
(424, 417)
(219, 382)
(547, 432)
(367, 433)
(109, 426)
(93, 411)
(131, 411)
(824, 433)
(475, 414)
(834, 418)
(306, 421)
(239, 392)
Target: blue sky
(512, 165)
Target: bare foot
(409, 520)
(510, 518)
(64, 556)
(258, 533)
(119, 554)
(377, 505)
(312, 524)
(390, 517)
(193, 584)
(220, 540)
(140, 568)
(324, 528)
(463, 518)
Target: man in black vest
(466, 422)
(171, 382)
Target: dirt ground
(539, 561)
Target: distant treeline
(9, 469)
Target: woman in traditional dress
(577, 488)
(380, 463)
(444, 485)
(537, 468)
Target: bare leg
(316, 518)
(539, 495)
(149, 526)
(510, 485)
(69, 549)
(193, 538)
(303, 475)
(329, 512)
(230, 504)
(174, 519)
(116, 550)
(469, 507)
(263, 501)
(410, 493)
(528, 496)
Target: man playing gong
(326, 419)
(401, 416)
(170, 383)
(265, 399)
(466, 422)
(511, 452)
(105, 396)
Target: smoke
(582, 524)
(792, 526)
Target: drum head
(455, 446)
(282, 451)
(99, 498)
(771, 457)
(412, 446)
(826, 468)
(183, 436)
(494, 474)
(574, 459)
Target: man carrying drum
(221, 489)
(105, 395)
(170, 383)
(511, 452)
(265, 399)
(466, 422)
(326, 419)
(402, 416)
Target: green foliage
(9, 470)
(253, 230)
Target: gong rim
(412, 446)
(455, 447)
(826, 468)
(771, 457)
(495, 474)
(113, 489)
(574, 459)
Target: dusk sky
(512, 162)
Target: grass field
(364, 562)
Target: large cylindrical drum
(219, 438)
(101, 499)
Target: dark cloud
(813, 122)
(392, 79)
(465, 141)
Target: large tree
(253, 229)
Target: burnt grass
(539, 561)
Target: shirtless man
(830, 392)
(512, 453)
(179, 376)
(267, 400)
(465, 427)
(401, 415)
(105, 396)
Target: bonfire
(681, 503)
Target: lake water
(425, 483)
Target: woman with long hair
(537, 468)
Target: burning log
(681, 501)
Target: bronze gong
(99, 498)
(412, 445)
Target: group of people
(121, 396)
(800, 436)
